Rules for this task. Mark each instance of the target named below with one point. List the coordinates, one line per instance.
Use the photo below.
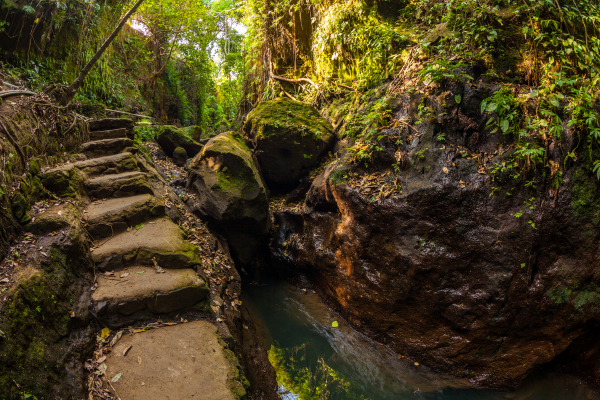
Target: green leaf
(116, 377)
(504, 125)
(491, 107)
(139, 226)
(457, 99)
(334, 324)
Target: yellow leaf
(138, 330)
(37, 20)
(105, 333)
(445, 169)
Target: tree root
(13, 141)
(7, 93)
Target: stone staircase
(146, 274)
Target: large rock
(170, 138)
(480, 278)
(288, 137)
(231, 194)
(180, 157)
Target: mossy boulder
(170, 138)
(288, 137)
(64, 181)
(231, 193)
(180, 157)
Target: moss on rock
(35, 319)
(63, 181)
(288, 138)
(231, 191)
(170, 138)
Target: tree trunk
(70, 92)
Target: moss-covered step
(68, 180)
(185, 361)
(141, 287)
(98, 148)
(118, 185)
(114, 164)
(55, 218)
(111, 123)
(231, 194)
(288, 138)
(160, 238)
(170, 138)
(108, 217)
(110, 134)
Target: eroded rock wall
(478, 275)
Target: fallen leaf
(138, 330)
(116, 378)
(124, 275)
(105, 333)
(116, 339)
(141, 272)
(5, 280)
(59, 213)
(417, 364)
(101, 360)
(399, 356)
(170, 323)
(102, 369)
(44, 254)
(126, 350)
(445, 169)
(139, 360)
(334, 324)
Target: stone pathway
(132, 237)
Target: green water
(313, 360)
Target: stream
(314, 360)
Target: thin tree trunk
(86, 70)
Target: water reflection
(316, 361)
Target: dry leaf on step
(126, 350)
(116, 378)
(116, 339)
(101, 360)
(139, 360)
(445, 169)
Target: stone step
(109, 217)
(118, 163)
(161, 239)
(110, 134)
(185, 361)
(98, 148)
(140, 287)
(118, 185)
(111, 123)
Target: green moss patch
(35, 319)
(284, 117)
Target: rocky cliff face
(478, 275)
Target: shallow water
(316, 361)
